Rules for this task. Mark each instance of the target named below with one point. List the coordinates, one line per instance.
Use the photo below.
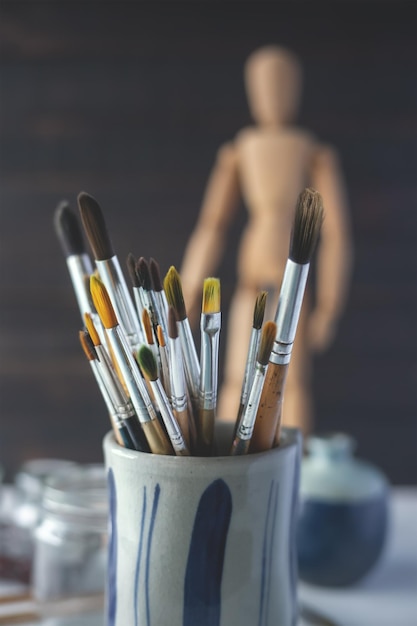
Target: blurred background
(130, 102)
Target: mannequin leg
(298, 403)
(238, 334)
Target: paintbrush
(164, 360)
(120, 431)
(175, 298)
(154, 433)
(247, 421)
(210, 324)
(116, 390)
(109, 268)
(160, 300)
(305, 233)
(258, 318)
(144, 278)
(78, 261)
(147, 363)
(179, 399)
(147, 326)
(137, 291)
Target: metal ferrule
(134, 382)
(103, 389)
(162, 308)
(139, 309)
(126, 411)
(191, 363)
(113, 384)
(210, 332)
(79, 267)
(247, 422)
(250, 364)
(165, 375)
(288, 310)
(174, 433)
(177, 378)
(113, 279)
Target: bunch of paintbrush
(161, 396)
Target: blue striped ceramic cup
(203, 541)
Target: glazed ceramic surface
(343, 514)
(203, 541)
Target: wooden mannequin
(269, 164)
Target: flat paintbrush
(210, 324)
(119, 396)
(108, 267)
(147, 363)
(175, 298)
(305, 233)
(247, 421)
(258, 318)
(119, 428)
(154, 433)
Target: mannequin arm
(334, 256)
(205, 247)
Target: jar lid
(30, 479)
(335, 445)
(80, 494)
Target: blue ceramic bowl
(343, 515)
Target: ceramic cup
(203, 541)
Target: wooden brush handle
(268, 417)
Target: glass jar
(71, 540)
(23, 514)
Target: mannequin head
(273, 85)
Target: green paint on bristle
(147, 363)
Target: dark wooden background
(129, 101)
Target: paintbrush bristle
(147, 363)
(147, 326)
(172, 323)
(87, 345)
(160, 336)
(173, 291)
(92, 331)
(131, 268)
(95, 226)
(259, 310)
(68, 230)
(307, 224)
(143, 273)
(155, 275)
(268, 335)
(211, 296)
(102, 303)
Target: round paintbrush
(108, 267)
(305, 233)
(247, 421)
(175, 298)
(148, 365)
(79, 265)
(135, 384)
